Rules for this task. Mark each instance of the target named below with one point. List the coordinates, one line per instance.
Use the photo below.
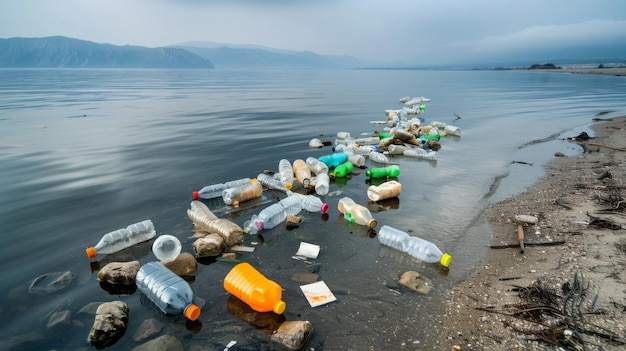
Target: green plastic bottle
(430, 136)
(342, 170)
(384, 135)
(382, 172)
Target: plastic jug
(236, 195)
(123, 238)
(302, 172)
(416, 247)
(171, 293)
(342, 170)
(215, 190)
(166, 248)
(382, 172)
(250, 286)
(384, 191)
(356, 213)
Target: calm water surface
(85, 152)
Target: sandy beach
(568, 287)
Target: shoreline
(609, 71)
(588, 252)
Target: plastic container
(166, 248)
(419, 248)
(452, 130)
(171, 293)
(322, 184)
(382, 172)
(316, 166)
(367, 141)
(250, 286)
(342, 170)
(215, 190)
(421, 154)
(334, 160)
(123, 238)
(384, 191)
(234, 196)
(359, 150)
(271, 182)
(302, 172)
(356, 213)
(311, 203)
(285, 169)
(315, 143)
(343, 135)
(378, 157)
(356, 160)
(394, 149)
(205, 220)
(430, 137)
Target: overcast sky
(409, 30)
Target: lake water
(85, 152)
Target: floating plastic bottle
(416, 247)
(356, 160)
(342, 170)
(452, 130)
(322, 184)
(250, 286)
(382, 172)
(234, 196)
(343, 135)
(334, 160)
(430, 137)
(171, 293)
(384, 191)
(311, 203)
(316, 166)
(215, 190)
(272, 215)
(378, 157)
(206, 221)
(421, 154)
(302, 172)
(356, 213)
(359, 149)
(166, 248)
(285, 170)
(123, 238)
(394, 149)
(271, 182)
(367, 141)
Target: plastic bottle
(316, 166)
(356, 160)
(394, 149)
(382, 172)
(166, 248)
(285, 169)
(343, 135)
(123, 238)
(171, 293)
(333, 160)
(205, 220)
(421, 153)
(416, 247)
(322, 184)
(215, 190)
(359, 149)
(429, 137)
(367, 141)
(236, 195)
(315, 143)
(311, 203)
(250, 286)
(342, 170)
(272, 183)
(452, 130)
(378, 157)
(356, 213)
(302, 172)
(384, 191)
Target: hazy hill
(61, 51)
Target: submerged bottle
(123, 238)
(271, 182)
(356, 213)
(334, 160)
(384, 191)
(285, 170)
(342, 170)
(382, 172)
(236, 195)
(166, 248)
(250, 286)
(215, 190)
(302, 172)
(171, 293)
(416, 247)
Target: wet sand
(571, 294)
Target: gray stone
(148, 328)
(59, 320)
(50, 283)
(162, 343)
(110, 324)
(293, 334)
(119, 273)
(292, 221)
(210, 245)
(185, 265)
(416, 282)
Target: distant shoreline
(612, 71)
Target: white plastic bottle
(166, 248)
(356, 160)
(215, 190)
(421, 154)
(316, 166)
(322, 184)
(311, 203)
(171, 293)
(419, 248)
(452, 130)
(285, 169)
(271, 183)
(378, 157)
(356, 213)
(396, 149)
(123, 238)
(384, 191)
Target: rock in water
(293, 334)
(110, 324)
(119, 272)
(416, 282)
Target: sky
(417, 31)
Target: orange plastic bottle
(253, 288)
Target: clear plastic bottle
(421, 154)
(335, 159)
(316, 166)
(359, 149)
(215, 190)
(311, 203)
(302, 172)
(378, 157)
(123, 238)
(419, 248)
(250, 286)
(285, 169)
(394, 149)
(367, 141)
(393, 238)
(322, 184)
(343, 135)
(452, 130)
(272, 183)
(205, 220)
(384, 191)
(171, 293)
(166, 248)
(356, 213)
(356, 160)
(236, 195)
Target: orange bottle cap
(192, 312)
(91, 252)
(288, 186)
(195, 195)
(279, 307)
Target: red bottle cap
(195, 195)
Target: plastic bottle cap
(279, 307)
(324, 208)
(195, 195)
(91, 252)
(288, 186)
(445, 260)
(192, 312)
(372, 223)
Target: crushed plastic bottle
(419, 248)
(356, 213)
(310, 203)
(171, 293)
(215, 190)
(272, 215)
(421, 154)
(384, 191)
(271, 182)
(250, 286)
(203, 219)
(123, 238)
